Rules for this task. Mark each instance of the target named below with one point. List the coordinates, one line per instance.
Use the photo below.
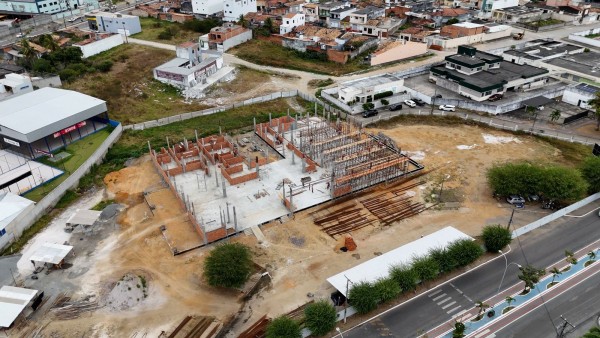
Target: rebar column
(235, 220)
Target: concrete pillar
(269, 119)
(168, 146)
(224, 189)
(149, 148)
(235, 220)
(254, 123)
(203, 231)
(228, 218)
(293, 157)
(216, 176)
(303, 164)
(220, 130)
(196, 133)
(283, 189)
(291, 202)
(185, 144)
(221, 215)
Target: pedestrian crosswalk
(444, 301)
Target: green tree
(320, 317)
(459, 330)
(386, 289)
(452, 21)
(242, 21)
(42, 66)
(268, 25)
(445, 261)
(530, 275)
(368, 105)
(283, 327)
(48, 42)
(509, 300)
(464, 251)
(426, 268)
(515, 178)
(363, 297)
(592, 255)
(590, 169)
(594, 332)
(555, 273)
(29, 54)
(496, 237)
(481, 306)
(405, 277)
(563, 184)
(165, 34)
(228, 265)
(555, 115)
(385, 102)
(570, 257)
(595, 104)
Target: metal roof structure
(84, 217)
(32, 116)
(51, 253)
(11, 206)
(378, 267)
(13, 301)
(537, 101)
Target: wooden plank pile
(394, 206)
(344, 220)
(196, 327)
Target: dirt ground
(297, 254)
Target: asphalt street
(540, 248)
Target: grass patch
(131, 93)
(28, 234)
(593, 36)
(103, 204)
(69, 197)
(269, 54)
(573, 153)
(551, 285)
(506, 309)
(590, 262)
(151, 29)
(320, 83)
(81, 150)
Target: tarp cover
(84, 217)
(51, 253)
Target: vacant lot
(270, 54)
(151, 29)
(131, 93)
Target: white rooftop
(378, 267)
(11, 206)
(467, 25)
(12, 302)
(43, 107)
(84, 217)
(51, 253)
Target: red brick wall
(337, 56)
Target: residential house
(13, 85)
(453, 36)
(461, 29)
(362, 16)
(314, 38)
(227, 36)
(580, 94)
(326, 8)
(7, 68)
(397, 12)
(191, 67)
(381, 28)
(291, 21)
(311, 12)
(338, 15)
(419, 6)
(113, 22)
(174, 17)
(233, 9)
(583, 14)
(479, 75)
(207, 7)
(295, 6)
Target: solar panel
(587, 88)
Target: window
(45, 5)
(2, 232)
(478, 68)
(458, 67)
(488, 93)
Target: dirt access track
(297, 254)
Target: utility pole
(348, 281)
(511, 218)
(127, 41)
(563, 327)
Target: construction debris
(65, 309)
(349, 243)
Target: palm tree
(28, 52)
(48, 42)
(594, 332)
(592, 255)
(570, 257)
(555, 272)
(482, 306)
(555, 115)
(459, 330)
(595, 103)
(509, 300)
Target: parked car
(410, 103)
(447, 107)
(515, 199)
(20, 35)
(370, 112)
(75, 18)
(438, 96)
(533, 198)
(495, 97)
(395, 107)
(419, 102)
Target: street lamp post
(339, 331)
(348, 281)
(505, 268)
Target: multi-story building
(337, 15)
(362, 16)
(311, 11)
(43, 6)
(479, 75)
(488, 6)
(291, 21)
(207, 7)
(233, 9)
(114, 23)
(326, 8)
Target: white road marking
(444, 300)
(439, 297)
(453, 309)
(435, 293)
(482, 333)
(459, 314)
(448, 305)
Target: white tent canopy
(51, 253)
(378, 267)
(84, 217)
(12, 302)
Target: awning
(537, 101)
(12, 302)
(84, 217)
(51, 253)
(378, 267)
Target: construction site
(229, 185)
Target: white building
(12, 209)
(580, 94)
(488, 6)
(291, 21)
(113, 23)
(364, 90)
(207, 7)
(13, 85)
(232, 9)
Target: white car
(73, 19)
(410, 103)
(20, 35)
(447, 107)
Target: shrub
(42, 66)
(68, 75)
(283, 327)
(383, 94)
(386, 289)
(464, 251)
(426, 268)
(590, 170)
(367, 106)
(228, 265)
(165, 34)
(320, 317)
(445, 261)
(385, 102)
(363, 297)
(405, 277)
(564, 184)
(104, 66)
(496, 237)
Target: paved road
(580, 306)
(540, 248)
